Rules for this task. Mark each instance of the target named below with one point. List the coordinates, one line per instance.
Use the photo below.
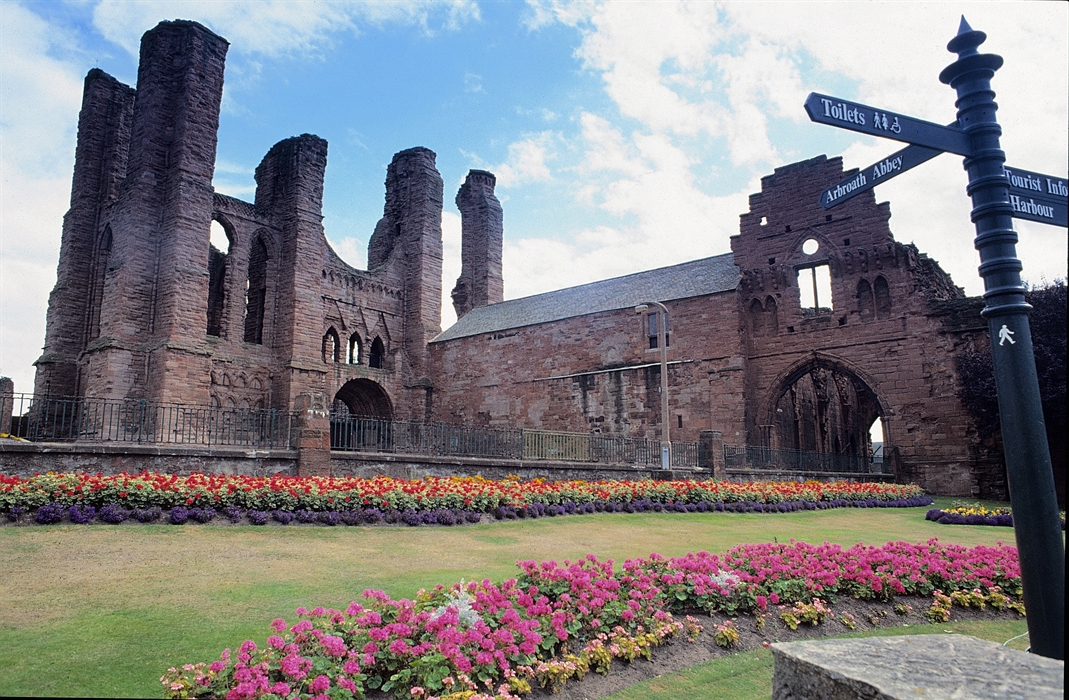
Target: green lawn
(103, 610)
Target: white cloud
(473, 82)
(733, 72)
(526, 161)
(277, 27)
(451, 236)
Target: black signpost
(999, 194)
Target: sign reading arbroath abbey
(816, 325)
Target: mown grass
(103, 610)
(748, 675)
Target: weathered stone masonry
(814, 326)
(144, 307)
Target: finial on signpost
(1036, 522)
(965, 45)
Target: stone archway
(823, 406)
(364, 398)
(361, 417)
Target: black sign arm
(874, 121)
(876, 174)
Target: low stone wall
(22, 458)
(925, 665)
(369, 464)
(746, 475)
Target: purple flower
(147, 515)
(257, 517)
(49, 514)
(330, 517)
(202, 515)
(234, 513)
(81, 514)
(282, 516)
(113, 513)
(179, 515)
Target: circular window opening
(810, 246)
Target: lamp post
(662, 343)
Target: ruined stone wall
(407, 249)
(883, 330)
(597, 373)
(145, 307)
(147, 328)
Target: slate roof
(689, 279)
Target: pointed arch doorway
(823, 407)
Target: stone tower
(410, 233)
(149, 238)
(86, 246)
(480, 282)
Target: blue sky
(625, 135)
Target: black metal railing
(50, 419)
(754, 457)
(357, 433)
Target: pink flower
(351, 667)
(334, 646)
(774, 598)
(320, 684)
(279, 625)
(276, 642)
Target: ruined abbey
(813, 327)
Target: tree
(1048, 324)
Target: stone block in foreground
(917, 666)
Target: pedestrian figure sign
(1004, 335)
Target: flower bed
(148, 496)
(556, 622)
(973, 514)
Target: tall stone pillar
(7, 399)
(480, 282)
(289, 184)
(408, 241)
(153, 318)
(73, 319)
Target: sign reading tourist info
(1038, 197)
(1033, 196)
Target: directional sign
(880, 122)
(876, 174)
(1038, 197)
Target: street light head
(641, 308)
